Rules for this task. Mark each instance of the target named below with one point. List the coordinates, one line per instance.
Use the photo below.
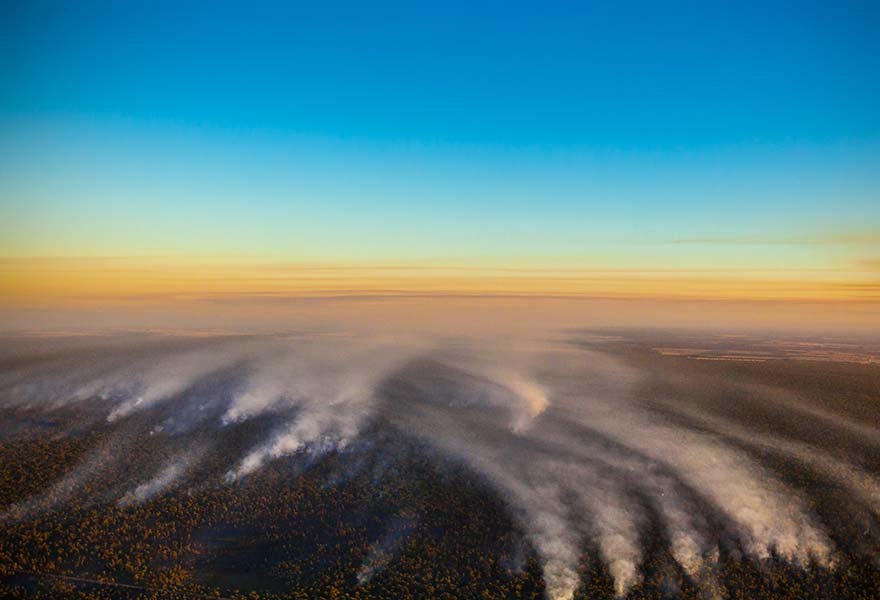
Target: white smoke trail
(538, 468)
(171, 473)
(563, 435)
(94, 465)
(166, 376)
(770, 516)
(384, 550)
(330, 392)
(860, 484)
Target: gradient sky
(698, 149)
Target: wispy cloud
(870, 264)
(850, 238)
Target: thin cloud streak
(861, 238)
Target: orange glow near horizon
(239, 290)
(31, 281)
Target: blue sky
(625, 75)
(564, 132)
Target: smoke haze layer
(595, 448)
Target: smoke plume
(576, 440)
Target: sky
(189, 152)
